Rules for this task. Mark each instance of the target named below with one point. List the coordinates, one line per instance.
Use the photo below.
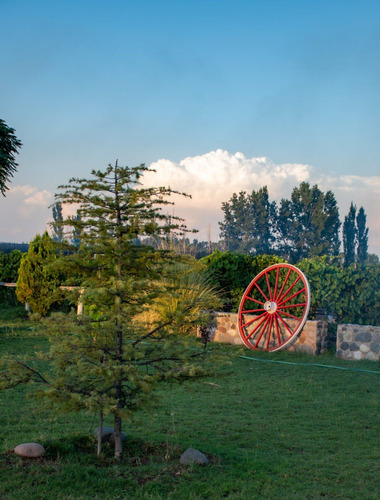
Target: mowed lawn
(270, 430)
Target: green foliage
(248, 222)
(136, 302)
(232, 273)
(352, 294)
(37, 281)
(349, 236)
(9, 265)
(362, 250)
(56, 225)
(9, 146)
(308, 224)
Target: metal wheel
(274, 308)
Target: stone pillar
(358, 342)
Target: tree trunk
(100, 432)
(118, 441)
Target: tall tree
(56, 225)
(9, 146)
(248, 222)
(349, 236)
(135, 301)
(362, 236)
(308, 224)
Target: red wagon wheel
(274, 308)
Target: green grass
(271, 431)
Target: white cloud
(213, 177)
(24, 213)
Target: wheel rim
(274, 308)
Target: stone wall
(314, 338)
(358, 342)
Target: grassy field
(272, 431)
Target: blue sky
(86, 82)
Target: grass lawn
(272, 431)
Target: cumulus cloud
(24, 213)
(213, 177)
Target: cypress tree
(349, 236)
(362, 236)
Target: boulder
(108, 434)
(29, 450)
(192, 456)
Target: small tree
(349, 236)
(9, 146)
(362, 235)
(136, 303)
(37, 282)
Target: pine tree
(37, 281)
(362, 236)
(9, 146)
(349, 236)
(138, 303)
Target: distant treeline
(7, 247)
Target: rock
(108, 434)
(30, 450)
(363, 337)
(192, 456)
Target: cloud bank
(210, 179)
(213, 177)
(24, 213)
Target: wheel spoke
(277, 329)
(269, 331)
(254, 300)
(276, 285)
(292, 305)
(290, 288)
(292, 297)
(257, 327)
(290, 315)
(254, 319)
(269, 288)
(285, 324)
(261, 333)
(253, 311)
(262, 293)
(283, 285)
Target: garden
(272, 425)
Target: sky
(218, 96)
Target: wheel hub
(270, 307)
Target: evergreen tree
(362, 236)
(136, 302)
(349, 236)
(308, 224)
(248, 222)
(9, 146)
(56, 225)
(37, 282)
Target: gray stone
(339, 353)
(353, 347)
(192, 456)
(344, 346)
(375, 347)
(30, 450)
(108, 434)
(363, 337)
